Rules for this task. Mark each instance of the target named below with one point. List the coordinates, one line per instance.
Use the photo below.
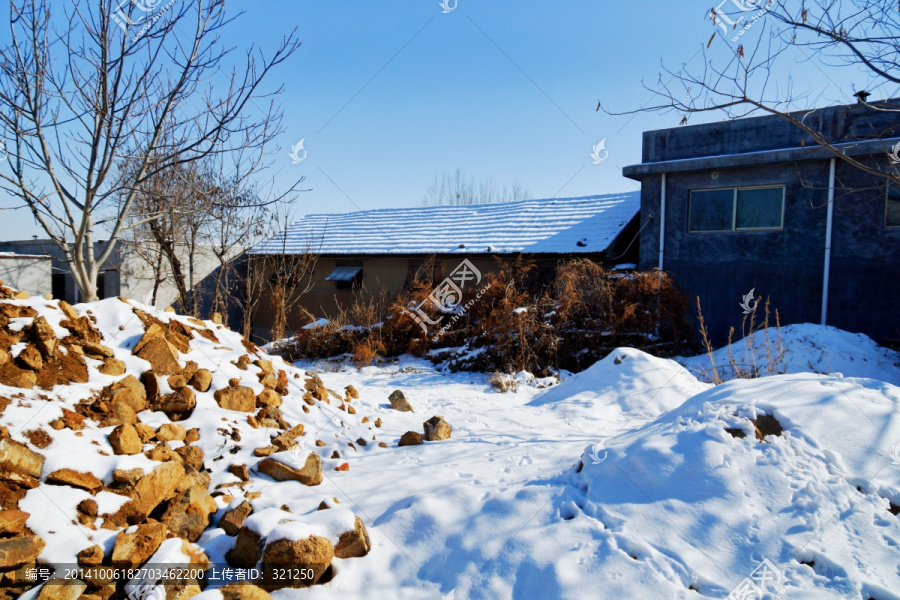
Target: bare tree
(85, 87)
(204, 216)
(460, 188)
(765, 36)
(239, 220)
(291, 274)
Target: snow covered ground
(632, 479)
(667, 504)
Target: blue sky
(388, 94)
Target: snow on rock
(59, 407)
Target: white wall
(29, 274)
(136, 275)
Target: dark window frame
(734, 205)
(353, 284)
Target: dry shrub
(747, 367)
(513, 322)
(367, 352)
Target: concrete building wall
(61, 283)
(837, 123)
(786, 265)
(26, 273)
(137, 275)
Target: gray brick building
(756, 203)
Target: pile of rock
(44, 344)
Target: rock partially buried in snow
(240, 399)
(311, 556)
(233, 519)
(411, 438)
(125, 440)
(247, 549)
(168, 432)
(399, 402)
(85, 481)
(19, 551)
(268, 397)
(355, 543)
(150, 491)
(436, 429)
(96, 349)
(133, 549)
(309, 474)
(179, 403)
(201, 380)
(12, 521)
(156, 349)
(112, 366)
(190, 513)
(137, 393)
(90, 556)
(19, 457)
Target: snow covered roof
(559, 225)
(17, 255)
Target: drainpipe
(830, 219)
(662, 222)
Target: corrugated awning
(344, 274)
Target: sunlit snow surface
(667, 504)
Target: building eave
(764, 157)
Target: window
(346, 277)
(892, 208)
(736, 209)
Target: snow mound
(804, 348)
(691, 504)
(626, 382)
